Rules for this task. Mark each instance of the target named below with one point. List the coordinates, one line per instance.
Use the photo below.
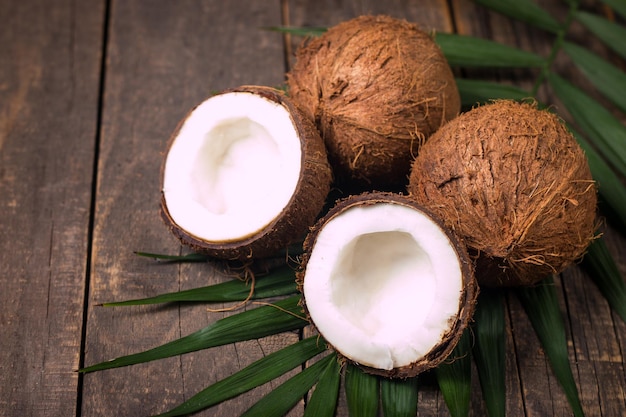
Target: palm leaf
(298, 31)
(256, 374)
(610, 33)
(283, 398)
(618, 5)
(608, 79)
(469, 51)
(603, 270)
(323, 401)
(361, 392)
(190, 257)
(606, 132)
(478, 92)
(399, 397)
(610, 187)
(524, 10)
(454, 377)
(542, 308)
(279, 282)
(489, 351)
(284, 315)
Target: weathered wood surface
(89, 94)
(50, 57)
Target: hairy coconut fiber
(307, 200)
(463, 303)
(513, 182)
(377, 88)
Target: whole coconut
(376, 87)
(513, 182)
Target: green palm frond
(489, 353)
(612, 191)
(323, 401)
(542, 308)
(608, 133)
(282, 316)
(617, 5)
(526, 11)
(281, 281)
(362, 392)
(603, 270)
(398, 397)
(262, 371)
(611, 33)
(454, 377)
(468, 51)
(607, 78)
(474, 92)
(283, 398)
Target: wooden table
(89, 94)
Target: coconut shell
(377, 88)
(308, 199)
(513, 182)
(467, 298)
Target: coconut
(377, 87)
(245, 174)
(386, 285)
(513, 182)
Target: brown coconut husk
(467, 298)
(308, 199)
(513, 182)
(377, 88)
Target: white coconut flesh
(383, 284)
(232, 168)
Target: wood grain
(49, 82)
(163, 58)
(89, 95)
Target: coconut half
(386, 285)
(245, 174)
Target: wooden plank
(49, 82)
(163, 58)
(430, 15)
(597, 343)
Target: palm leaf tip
(254, 375)
(399, 397)
(362, 392)
(283, 398)
(489, 350)
(454, 377)
(323, 400)
(524, 10)
(542, 308)
(469, 51)
(282, 316)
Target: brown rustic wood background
(89, 93)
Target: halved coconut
(246, 174)
(386, 285)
